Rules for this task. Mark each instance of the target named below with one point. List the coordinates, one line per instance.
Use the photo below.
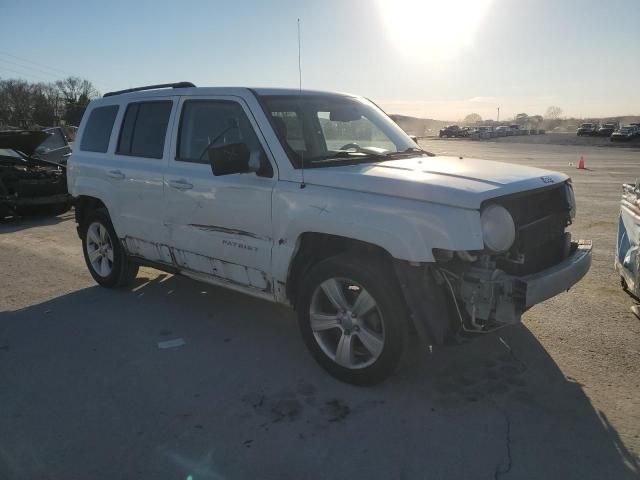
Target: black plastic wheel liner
(427, 302)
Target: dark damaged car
(30, 185)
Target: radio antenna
(302, 185)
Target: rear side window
(98, 129)
(144, 129)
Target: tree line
(24, 104)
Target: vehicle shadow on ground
(15, 224)
(87, 393)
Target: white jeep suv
(319, 201)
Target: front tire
(104, 255)
(353, 319)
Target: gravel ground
(85, 392)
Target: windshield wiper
(411, 151)
(345, 154)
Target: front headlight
(498, 229)
(571, 200)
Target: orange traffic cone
(581, 163)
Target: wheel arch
(313, 247)
(84, 205)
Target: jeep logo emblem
(546, 179)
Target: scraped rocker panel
(193, 262)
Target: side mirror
(229, 159)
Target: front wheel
(107, 261)
(353, 319)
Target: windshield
(329, 129)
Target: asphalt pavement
(86, 392)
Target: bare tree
(74, 89)
(24, 104)
(77, 93)
(16, 107)
(553, 112)
(473, 118)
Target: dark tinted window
(98, 130)
(212, 123)
(144, 129)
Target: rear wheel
(353, 319)
(106, 260)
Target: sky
(426, 58)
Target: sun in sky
(429, 30)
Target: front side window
(144, 129)
(97, 132)
(207, 124)
(331, 129)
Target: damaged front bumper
(559, 278)
(478, 300)
(492, 298)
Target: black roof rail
(151, 87)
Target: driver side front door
(219, 228)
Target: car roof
(200, 91)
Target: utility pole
(498, 115)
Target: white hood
(465, 182)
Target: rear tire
(353, 318)
(104, 255)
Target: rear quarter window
(144, 129)
(97, 132)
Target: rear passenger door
(141, 156)
(220, 226)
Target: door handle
(180, 184)
(117, 174)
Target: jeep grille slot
(541, 217)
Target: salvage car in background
(55, 148)
(454, 131)
(623, 135)
(587, 130)
(628, 248)
(502, 131)
(29, 184)
(483, 132)
(607, 129)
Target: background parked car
(516, 129)
(607, 129)
(502, 131)
(624, 134)
(453, 131)
(587, 130)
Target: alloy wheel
(347, 323)
(100, 249)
